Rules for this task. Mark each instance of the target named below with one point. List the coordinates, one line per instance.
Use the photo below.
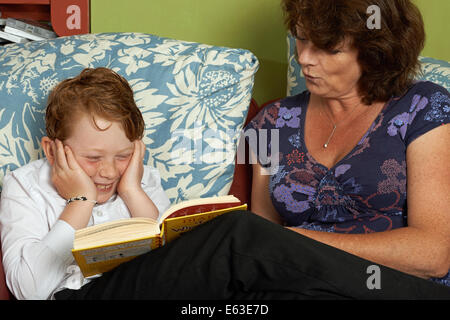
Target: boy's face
(103, 155)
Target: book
(29, 29)
(12, 38)
(102, 247)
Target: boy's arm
(35, 257)
(70, 180)
(140, 205)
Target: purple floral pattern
(440, 108)
(288, 117)
(400, 122)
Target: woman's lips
(309, 76)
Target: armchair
(194, 99)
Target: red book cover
(202, 208)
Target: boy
(93, 173)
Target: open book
(102, 247)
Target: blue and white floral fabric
(194, 99)
(437, 71)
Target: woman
(363, 162)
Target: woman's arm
(422, 248)
(260, 197)
(410, 250)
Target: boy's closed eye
(93, 158)
(124, 156)
(121, 157)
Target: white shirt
(36, 245)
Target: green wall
(256, 25)
(250, 24)
(437, 27)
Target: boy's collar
(44, 178)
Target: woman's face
(332, 74)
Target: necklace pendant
(329, 138)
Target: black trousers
(243, 256)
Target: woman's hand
(130, 182)
(67, 176)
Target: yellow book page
(174, 227)
(115, 231)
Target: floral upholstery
(194, 99)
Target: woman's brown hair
(387, 55)
(98, 92)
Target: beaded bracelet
(80, 198)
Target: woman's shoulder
(423, 95)
(270, 112)
(298, 100)
(429, 85)
(423, 107)
(425, 89)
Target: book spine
(22, 34)
(12, 37)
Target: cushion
(194, 99)
(437, 71)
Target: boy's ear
(47, 146)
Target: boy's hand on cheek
(130, 189)
(68, 177)
(130, 182)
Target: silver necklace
(335, 125)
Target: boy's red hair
(98, 92)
